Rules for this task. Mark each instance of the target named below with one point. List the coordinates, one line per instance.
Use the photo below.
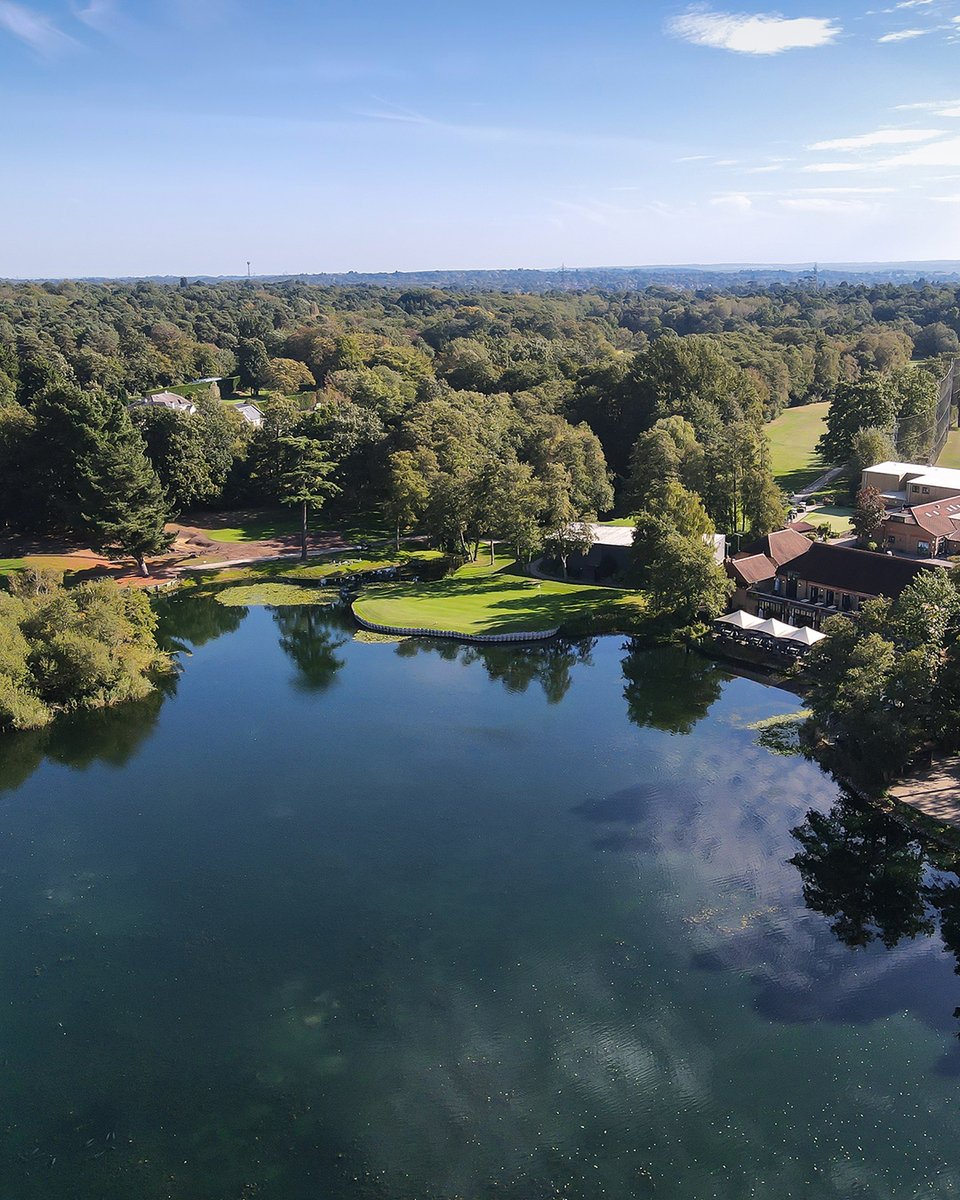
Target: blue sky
(187, 136)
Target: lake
(331, 919)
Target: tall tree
(303, 479)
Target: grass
(951, 451)
(480, 599)
(834, 515)
(793, 439)
(259, 525)
(46, 562)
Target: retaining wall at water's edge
(536, 636)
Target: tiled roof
(940, 517)
(782, 545)
(748, 569)
(845, 569)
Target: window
(829, 598)
(814, 595)
(925, 491)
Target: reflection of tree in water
(111, 735)
(196, 619)
(874, 879)
(306, 635)
(671, 697)
(865, 872)
(515, 666)
(115, 734)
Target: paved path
(935, 792)
(824, 481)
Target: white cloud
(753, 33)
(36, 30)
(912, 4)
(767, 170)
(832, 168)
(945, 153)
(936, 106)
(903, 35)
(879, 137)
(735, 202)
(954, 199)
(953, 111)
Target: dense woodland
(462, 414)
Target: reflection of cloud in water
(723, 835)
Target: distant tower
(816, 276)
(248, 268)
(563, 275)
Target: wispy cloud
(903, 35)
(954, 199)
(34, 29)
(503, 134)
(879, 137)
(833, 168)
(945, 153)
(823, 204)
(753, 33)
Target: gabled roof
(940, 517)
(748, 569)
(782, 545)
(845, 569)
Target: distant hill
(725, 276)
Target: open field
(793, 438)
(489, 600)
(951, 451)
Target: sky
(189, 136)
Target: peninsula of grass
(793, 441)
(480, 600)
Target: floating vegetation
(781, 735)
(369, 636)
(276, 595)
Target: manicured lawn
(46, 562)
(834, 515)
(479, 599)
(951, 451)
(793, 438)
(620, 522)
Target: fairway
(495, 600)
(793, 439)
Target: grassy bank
(480, 599)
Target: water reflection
(195, 619)
(309, 637)
(549, 665)
(695, 684)
(875, 880)
(108, 735)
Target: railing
(403, 631)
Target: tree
(865, 404)
(123, 507)
(678, 571)
(303, 479)
(868, 448)
(253, 364)
(408, 489)
(564, 539)
(869, 514)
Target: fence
(538, 636)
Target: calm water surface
(343, 920)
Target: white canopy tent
(776, 629)
(739, 620)
(806, 636)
